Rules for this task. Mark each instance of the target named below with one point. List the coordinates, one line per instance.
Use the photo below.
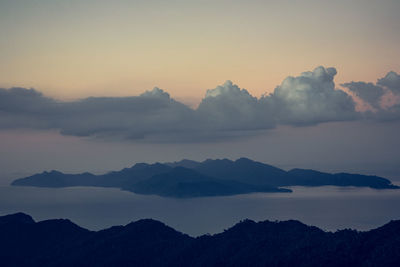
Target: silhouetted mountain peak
(243, 160)
(145, 166)
(140, 165)
(244, 224)
(145, 230)
(251, 163)
(64, 225)
(52, 172)
(219, 161)
(147, 224)
(191, 164)
(295, 224)
(149, 242)
(392, 226)
(248, 224)
(18, 217)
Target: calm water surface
(328, 207)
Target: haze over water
(329, 207)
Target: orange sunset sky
(75, 49)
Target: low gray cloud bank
(386, 88)
(226, 111)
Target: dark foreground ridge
(208, 178)
(25, 242)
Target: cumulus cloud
(391, 81)
(227, 107)
(368, 92)
(225, 111)
(311, 98)
(383, 96)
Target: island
(219, 177)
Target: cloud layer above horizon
(226, 111)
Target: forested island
(147, 242)
(220, 177)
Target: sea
(329, 207)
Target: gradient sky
(70, 50)
(74, 49)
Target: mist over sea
(328, 207)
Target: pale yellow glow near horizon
(122, 48)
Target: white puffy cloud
(311, 98)
(391, 81)
(227, 107)
(226, 111)
(156, 92)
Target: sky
(75, 49)
(99, 85)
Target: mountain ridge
(147, 242)
(220, 177)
